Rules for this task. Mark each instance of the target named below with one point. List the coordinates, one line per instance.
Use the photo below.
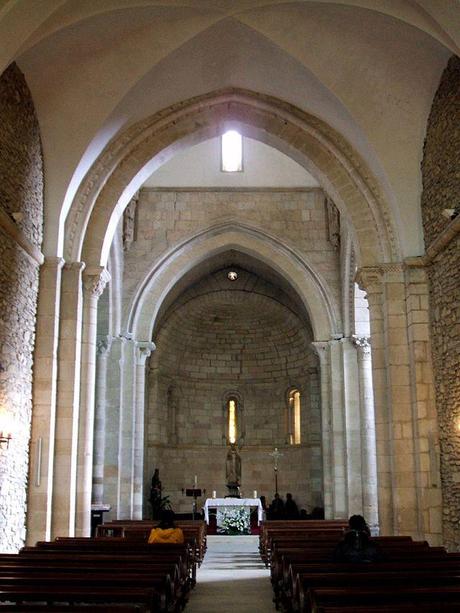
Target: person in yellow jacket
(166, 532)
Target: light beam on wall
(232, 152)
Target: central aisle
(232, 578)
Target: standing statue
(155, 494)
(233, 471)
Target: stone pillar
(333, 429)
(144, 349)
(368, 448)
(103, 349)
(322, 349)
(352, 428)
(94, 282)
(370, 280)
(396, 458)
(425, 422)
(68, 402)
(126, 428)
(41, 464)
(112, 426)
(338, 414)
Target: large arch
(129, 159)
(312, 289)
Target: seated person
(290, 508)
(166, 531)
(276, 509)
(356, 545)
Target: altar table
(218, 503)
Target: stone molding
(147, 137)
(18, 236)
(94, 281)
(244, 190)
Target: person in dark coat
(276, 509)
(290, 508)
(356, 545)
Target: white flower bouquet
(236, 521)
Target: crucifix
(276, 455)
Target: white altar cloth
(214, 503)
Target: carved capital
(74, 266)
(95, 280)
(322, 349)
(362, 343)
(53, 263)
(144, 350)
(103, 346)
(369, 279)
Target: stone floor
(232, 578)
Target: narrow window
(294, 417)
(232, 421)
(232, 152)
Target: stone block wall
(21, 216)
(441, 190)
(166, 217)
(228, 341)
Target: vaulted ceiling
(368, 68)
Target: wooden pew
(160, 573)
(434, 597)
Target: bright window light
(232, 152)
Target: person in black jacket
(290, 508)
(356, 545)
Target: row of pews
(116, 573)
(412, 577)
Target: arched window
(294, 415)
(232, 417)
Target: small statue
(233, 471)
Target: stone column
(144, 349)
(352, 426)
(68, 402)
(128, 391)
(94, 282)
(103, 349)
(333, 429)
(425, 422)
(41, 464)
(112, 426)
(322, 349)
(396, 458)
(368, 448)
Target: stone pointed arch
(294, 267)
(131, 157)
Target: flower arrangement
(236, 521)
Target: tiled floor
(232, 578)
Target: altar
(223, 503)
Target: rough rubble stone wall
(21, 193)
(223, 341)
(441, 190)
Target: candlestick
(255, 493)
(214, 494)
(195, 482)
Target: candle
(255, 493)
(214, 494)
(195, 482)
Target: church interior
(230, 256)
